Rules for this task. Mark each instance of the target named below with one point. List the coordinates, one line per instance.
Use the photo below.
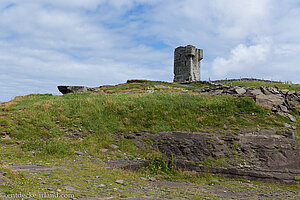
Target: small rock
(58, 190)
(6, 137)
(69, 188)
(121, 182)
(283, 108)
(152, 179)
(285, 91)
(4, 173)
(50, 189)
(291, 117)
(18, 142)
(286, 125)
(113, 146)
(101, 185)
(79, 153)
(291, 92)
(103, 150)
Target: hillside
(84, 143)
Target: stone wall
(187, 64)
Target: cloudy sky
(45, 43)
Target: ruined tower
(187, 64)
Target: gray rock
(286, 125)
(79, 153)
(254, 92)
(283, 108)
(284, 91)
(72, 89)
(113, 146)
(121, 182)
(291, 92)
(291, 117)
(69, 188)
(269, 100)
(101, 185)
(259, 150)
(265, 91)
(240, 91)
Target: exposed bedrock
(265, 155)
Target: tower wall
(187, 64)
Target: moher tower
(187, 64)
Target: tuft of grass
(161, 165)
(51, 147)
(212, 162)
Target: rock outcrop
(264, 154)
(280, 101)
(76, 89)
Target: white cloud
(242, 59)
(92, 42)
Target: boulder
(240, 91)
(253, 92)
(72, 89)
(269, 100)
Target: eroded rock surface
(264, 154)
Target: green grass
(44, 126)
(42, 118)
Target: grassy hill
(77, 133)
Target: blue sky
(45, 43)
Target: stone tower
(187, 64)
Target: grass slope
(46, 129)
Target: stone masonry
(187, 64)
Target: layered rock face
(187, 64)
(264, 154)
